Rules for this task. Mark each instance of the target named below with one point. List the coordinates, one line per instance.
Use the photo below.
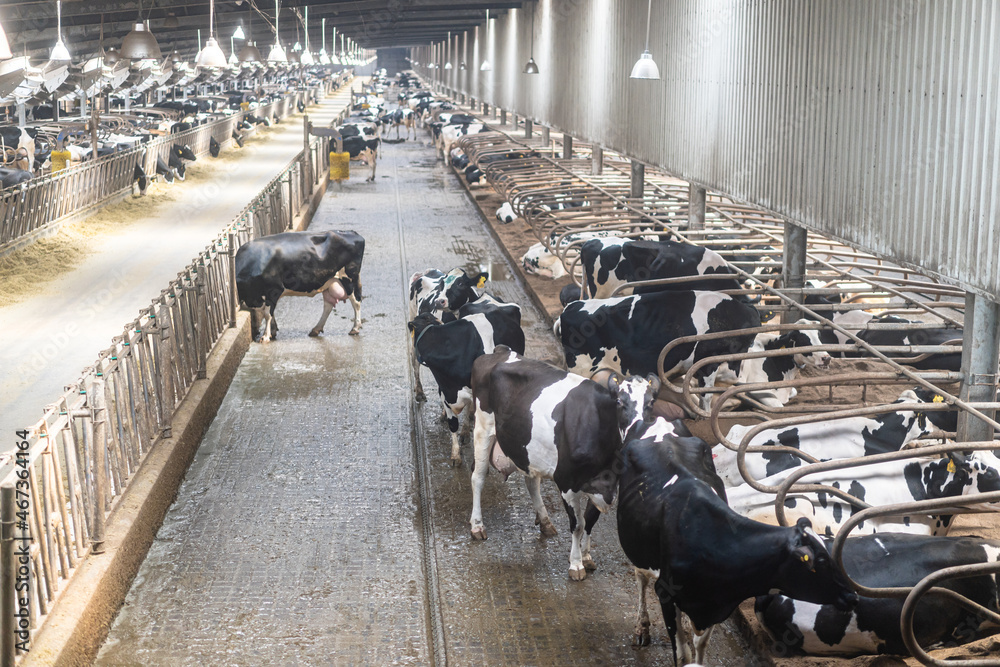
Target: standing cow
(299, 264)
(549, 424)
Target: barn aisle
(300, 537)
(47, 340)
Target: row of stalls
(891, 339)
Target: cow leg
(418, 390)
(456, 449)
(257, 316)
(327, 309)
(701, 643)
(591, 515)
(356, 329)
(265, 330)
(642, 578)
(574, 503)
(542, 519)
(685, 638)
(274, 321)
(482, 438)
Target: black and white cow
(164, 170)
(505, 214)
(538, 260)
(626, 334)
(873, 626)
(611, 262)
(300, 264)
(878, 484)
(214, 147)
(948, 362)
(179, 153)
(365, 150)
(441, 294)
(706, 558)
(449, 350)
(844, 438)
(11, 177)
(548, 424)
(21, 142)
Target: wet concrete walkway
(47, 340)
(321, 522)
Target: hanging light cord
(211, 17)
(533, 29)
(649, 13)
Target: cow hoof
(546, 527)
(588, 564)
(315, 332)
(479, 533)
(419, 396)
(354, 332)
(456, 461)
(577, 574)
(641, 638)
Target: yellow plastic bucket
(340, 166)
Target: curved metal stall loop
(926, 586)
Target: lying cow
(848, 437)
(299, 264)
(505, 214)
(450, 349)
(540, 261)
(706, 558)
(627, 334)
(888, 560)
(440, 294)
(878, 484)
(611, 262)
(548, 424)
(11, 177)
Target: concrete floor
(299, 535)
(47, 340)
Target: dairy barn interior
(649, 333)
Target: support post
(20, 114)
(567, 146)
(527, 128)
(7, 575)
(979, 364)
(166, 369)
(486, 110)
(696, 206)
(99, 417)
(793, 267)
(545, 135)
(201, 323)
(596, 160)
(306, 127)
(638, 180)
(503, 116)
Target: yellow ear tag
(481, 283)
(805, 558)
(411, 333)
(951, 466)
(938, 399)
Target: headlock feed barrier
(70, 468)
(559, 196)
(46, 200)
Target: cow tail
(357, 288)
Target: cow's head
(945, 420)
(956, 475)
(541, 262)
(183, 151)
(420, 323)
(806, 338)
(635, 396)
(808, 572)
(460, 288)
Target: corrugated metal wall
(873, 122)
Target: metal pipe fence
(44, 201)
(79, 458)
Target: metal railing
(78, 459)
(36, 204)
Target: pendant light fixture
(486, 66)
(249, 52)
(59, 51)
(140, 43)
(645, 67)
(211, 55)
(531, 67)
(277, 54)
(171, 21)
(324, 59)
(307, 56)
(334, 60)
(238, 33)
(233, 60)
(447, 56)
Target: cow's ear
(480, 279)
(613, 384)
(409, 325)
(654, 384)
(806, 556)
(957, 460)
